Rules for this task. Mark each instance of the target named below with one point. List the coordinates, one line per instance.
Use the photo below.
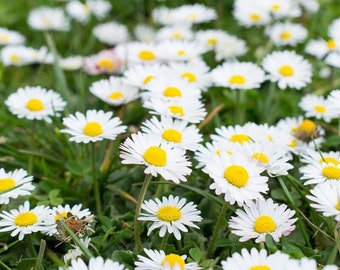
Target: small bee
(79, 226)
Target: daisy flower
(326, 199)
(95, 263)
(176, 32)
(255, 259)
(319, 48)
(174, 131)
(190, 110)
(238, 75)
(237, 177)
(103, 33)
(14, 184)
(10, 37)
(229, 47)
(75, 252)
(310, 6)
(333, 29)
(320, 171)
(47, 18)
(157, 156)
(210, 37)
(158, 260)
(71, 63)
(333, 101)
(35, 103)
(105, 61)
(312, 155)
(114, 91)
(251, 13)
(144, 33)
(333, 59)
(282, 8)
(172, 215)
(193, 14)
(288, 69)
(259, 218)
(24, 220)
(163, 15)
(316, 106)
(286, 33)
(92, 126)
(82, 11)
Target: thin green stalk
(217, 230)
(4, 266)
(96, 181)
(40, 255)
(336, 249)
(261, 245)
(293, 204)
(30, 165)
(54, 258)
(267, 114)
(31, 246)
(141, 196)
(164, 241)
(239, 115)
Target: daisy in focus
(114, 91)
(103, 33)
(158, 260)
(174, 131)
(325, 198)
(259, 218)
(10, 37)
(94, 263)
(288, 69)
(171, 215)
(35, 103)
(82, 11)
(317, 106)
(92, 126)
(157, 156)
(255, 259)
(14, 184)
(24, 220)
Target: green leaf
(270, 243)
(26, 264)
(122, 256)
(196, 254)
(53, 193)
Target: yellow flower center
(87, 8)
(148, 79)
(173, 259)
(337, 206)
(237, 79)
(156, 156)
(255, 16)
(172, 135)
(286, 71)
(34, 105)
(320, 108)
(177, 35)
(276, 7)
(189, 76)
(4, 38)
(172, 92)
(116, 95)
(260, 267)
(331, 172)
(240, 138)
(293, 143)
(192, 16)
(264, 224)
(177, 110)
(331, 44)
(181, 53)
(15, 58)
(146, 55)
(330, 160)
(236, 175)
(25, 219)
(169, 213)
(93, 129)
(286, 35)
(261, 157)
(63, 214)
(106, 64)
(6, 183)
(211, 41)
(307, 126)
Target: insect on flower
(79, 226)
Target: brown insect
(79, 226)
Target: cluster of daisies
(164, 70)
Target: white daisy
(238, 75)
(259, 218)
(310, 6)
(333, 59)
(316, 106)
(333, 101)
(14, 184)
(174, 131)
(163, 15)
(76, 252)
(47, 18)
(103, 32)
(288, 69)
(326, 199)
(286, 33)
(144, 33)
(172, 215)
(320, 171)
(333, 29)
(24, 220)
(210, 37)
(174, 32)
(106, 61)
(251, 13)
(158, 156)
(10, 37)
(93, 126)
(282, 8)
(158, 260)
(191, 110)
(256, 259)
(71, 63)
(230, 47)
(319, 48)
(82, 11)
(237, 177)
(193, 14)
(35, 103)
(95, 264)
(114, 91)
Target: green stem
(54, 258)
(293, 204)
(336, 249)
(96, 181)
(217, 228)
(239, 116)
(4, 266)
(30, 165)
(31, 246)
(142, 193)
(261, 245)
(269, 104)
(40, 255)
(164, 241)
